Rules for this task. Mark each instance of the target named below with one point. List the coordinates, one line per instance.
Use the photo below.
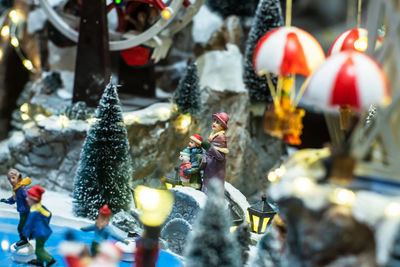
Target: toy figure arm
(114, 234)
(88, 228)
(205, 144)
(10, 200)
(215, 153)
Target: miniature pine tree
(233, 7)
(187, 95)
(269, 250)
(211, 244)
(242, 235)
(268, 16)
(105, 168)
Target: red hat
(36, 192)
(197, 139)
(223, 118)
(105, 210)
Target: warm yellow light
(14, 41)
(168, 185)
(91, 121)
(25, 117)
(183, 122)
(1, 54)
(40, 117)
(24, 108)
(343, 196)
(303, 185)
(163, 112)
(272, 177)
(166, 13)
(256, 222)
(233, 229)
(393, 210)
(280, 171)
(28, 64)
(63, 121)
(154, 205)
(5, 244)
(5, 31)
(361, 44)
(264, 226)
(15, 16)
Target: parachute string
(359, 14)
(272, 89)
(289, 13)
(301, 91)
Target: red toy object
(287, 50)
(349, 78)
(136, 56)
(36, 192)
(105, 210)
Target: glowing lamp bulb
(303, 185)
(280, 171)
(393, 210)
(361, 44)
(343, 197)
(166, 13)
(14, 16)
(24, 108)
(27, 64)
(14, 41)
(25, 117)
(1, 54)
(5, 31)
(40, 117)
(63, 121)
(5, 244)
(272, 177)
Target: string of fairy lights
(13, 32)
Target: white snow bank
(36, 20)
(204, 24)
(222, 70)
(150, 115)
(199, 196)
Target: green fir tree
(268, 16)
(242, 235)
(105, 168)
(211, 244)
(187, 94)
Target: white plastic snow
(204, 24)
(222, 70)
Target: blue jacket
(19, 196)
(102, 234)
(38, 222)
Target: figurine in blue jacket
(102, 230)
(38, 226)
(19, 196)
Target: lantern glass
(260, 216)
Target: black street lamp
(260, 215)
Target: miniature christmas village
(199, 133)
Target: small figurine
(38, 226)
(213, 162)
(19, 196)
(101, 230)
(196, 152)
(184, 157)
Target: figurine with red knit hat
(37, 226)
(102, 230)
(216, 148)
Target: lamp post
(260, 215)
(154, 207)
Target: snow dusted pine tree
(233, 7)
(187, 95)
(211, 244)
(268, 16)
(242, 235)
(269, 250)
(105, 168)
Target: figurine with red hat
(214, 160)
(102, 230)
(37, 226)
(196, 152)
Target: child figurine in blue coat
(19, 196)
(38, 226)
(102, 230)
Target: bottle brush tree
(268, 16)
(105, 168)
